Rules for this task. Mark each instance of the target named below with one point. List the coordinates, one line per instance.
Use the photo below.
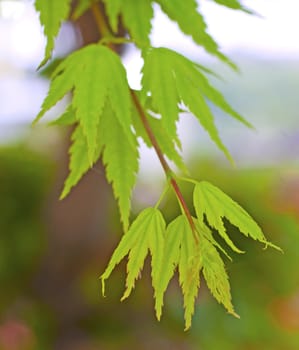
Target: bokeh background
(52, 252)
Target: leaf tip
(274, 246)
(233, 313)
(103, 286)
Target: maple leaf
(146, 233)
(51, 14)
(136, 16)
(169, 79)
(215, 274)
(234, 5)
(79, 160)
(211, 202)
(120, 156)
(95, 74)
(191, 22)
(102, 106)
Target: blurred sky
(273, 34)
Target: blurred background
(52, 252)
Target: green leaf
(60, 85)
(191, 22)
(136, 16)
(235, 5)
(120, 157)
(113, 8)
(198, 107)
(169, 79)
(51, 14)
(173, 239)
(212, 94)
(215, 274)
(211, 201)
(96, 75)
(189, 270)
(159, 81)
(79, 161)
(145, 234)
(180, 250)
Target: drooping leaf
(95, 74)
(215, 205)
(235, 5)
(191, 22)
(146, 233)
(173, 239)
(79, 160)
(159, 81)
(120, 156)
(152, 239)
(215, 274)
(207, 234)
(136, 16)
(189, 270)
(198, 107)
(170, 78)
(51, 14)
(113, 8)
(193, 72)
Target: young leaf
(113, 8)
(146, 233)
(191, 22)
(136, 16)
(215, 274)
(96, 74)
(51, 14)
(189, 270)
(79, 161)
(198, 107)
(120, 156)
(211, 201)
(171, 255)
(235, 5)
(159, 81)
(170, 78)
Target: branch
(105, 31)
(165, 166)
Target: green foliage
(212, 202)
(52, 13)
(233, 4)
(191, 22)
(87, 72)
(145, 234)
(109, 116)
(170, 79)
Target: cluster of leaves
(109, 119)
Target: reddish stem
(164, 163)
